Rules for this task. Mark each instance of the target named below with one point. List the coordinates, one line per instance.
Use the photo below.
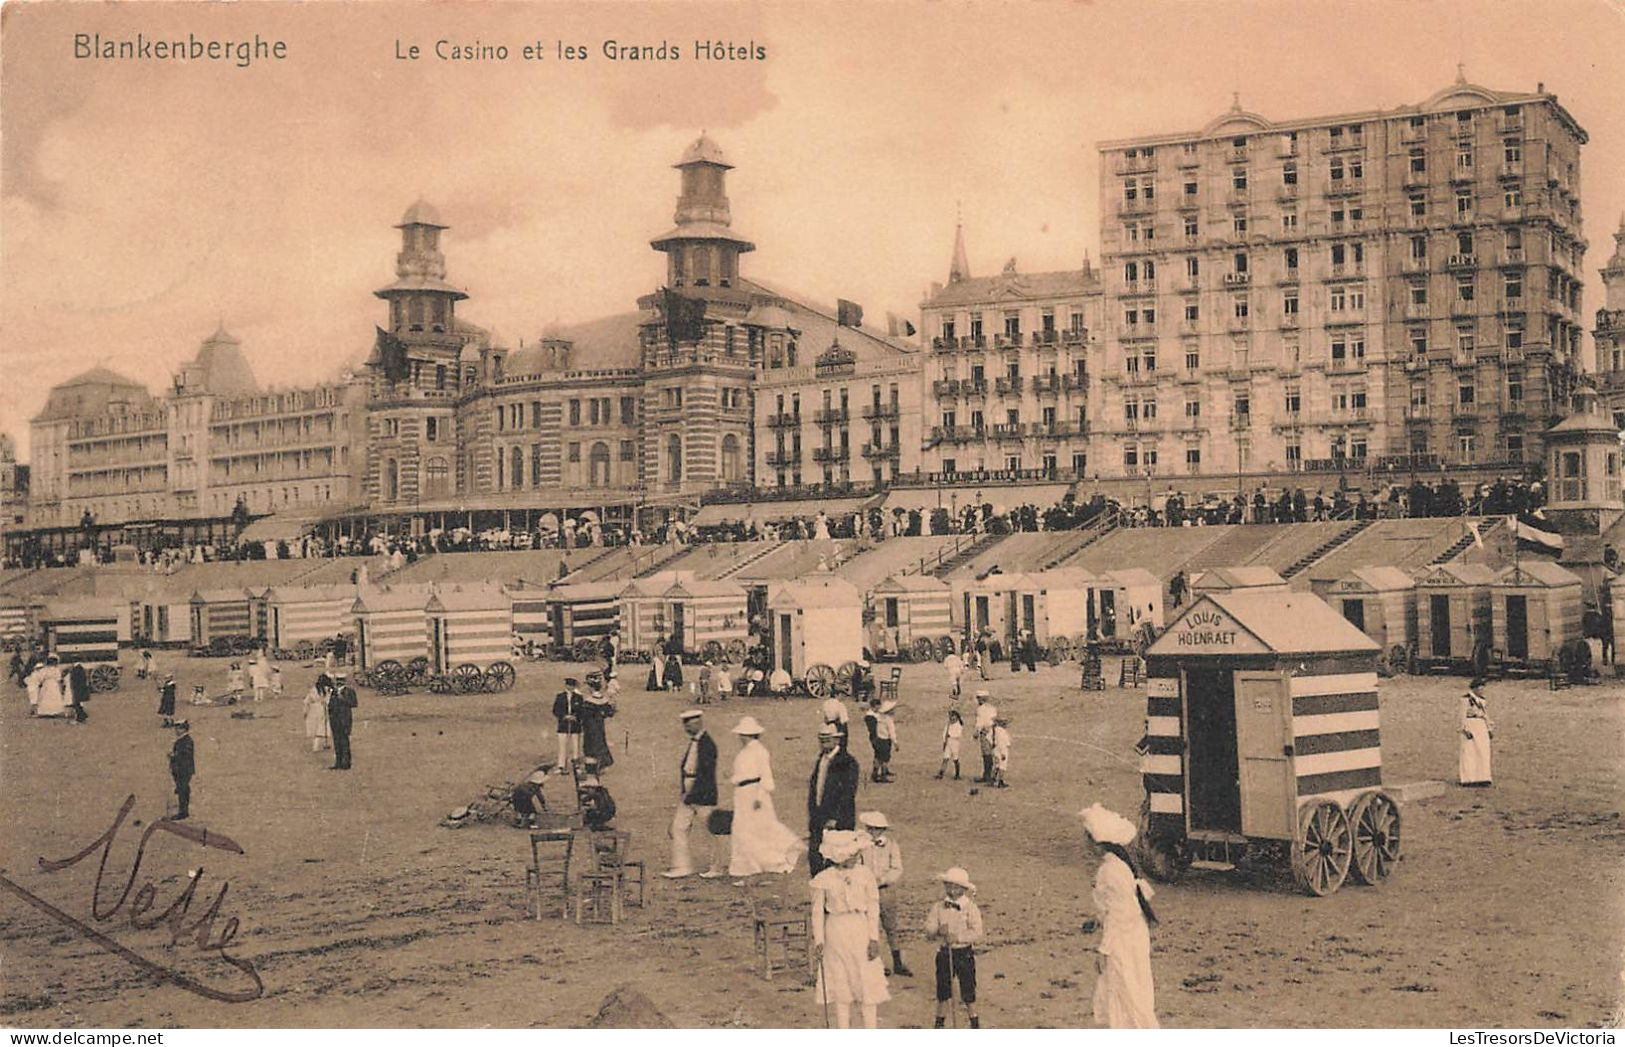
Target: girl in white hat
(1124, 996)
(846, 932)
(759, 841)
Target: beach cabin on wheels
(1262, 731)
(1380, 602)
(708, 619)
(88, 632)
(645, 614)
(1453, 614)
(1064, 611)
(1127, 599)
(1000, 605)
(16, 622)
(301, 617)
(532, 618)
(471, 635)
(391, 625)
(1535, 613)
(221, 616)
(582, 615)
(816, 631)
(914, 612)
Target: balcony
(1418, 311)
(1342, 187)
(830, 416)
(972, 390)
(1047, 384)
(1074, 383)
(944, 345)
(1236, 279)
(1008, 431)
(825, 455)
(1048, 338)
(777, 458)
(1054, 430)
(1008, 340)
(1413, 179)
(1136, 165)
(1346, 270)
(1071, 337)
(1136, 207)
(1413, 265)
(881, 411)
(783, 421)
(1240, 422)
(1464, 412)
(1512, 256)
(1008, 386)
(1511, 171)
(881, 451)
(945, 388)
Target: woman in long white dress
(1124, 995)
(846, 933)
(759, 841)
(1476, 732)
(316, 728)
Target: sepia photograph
(1145, 478)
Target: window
(1464, 158)
(1514, 240)
(1238, 180)
(1243, 404)
(1419, 161)
(1464, 243)
(1080, 462)
(1294, 400)
(1289, 221)
(1465, 443)
(1419, 341)
(1131, 456)
(1150, 316)
(1239, 306)
(1193, 359)
(1514, 285)
(1514, 336)
(1337, 169)
(1193, 457)
(1240, 261)
(1148, 408)
(1515, 385)
(1130, 191)
(1131, 317)
(1294, 455)
(1190, 229)
(1418, 292)
(431, 429)
(1190, 188)
(1339, 350)
(1464, 202)
(1514, 447)
(1076, 324)
(575, 412)
(976, 325)
(1131, 271)
(1464, 288)
(1289, 303)
(1132, 231)
(1418, 205)
(1244, 452)
(1419, 248)
(626, 451)
(1289, 174)
(1193, 267)
(1356, 168)
(1193, 408)
(1512, 151)
(1513, 198)
(1419, 395)
(1292, 258)
(1192, 313)
(1466, 394)
(1239, 224)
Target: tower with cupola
(1609, 334)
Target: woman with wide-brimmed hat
(846, 932)
(760, 842)
(1124, 996)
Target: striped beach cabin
(701, 612)
(645, 613)
(391, 624)
(307, 613)
(1452, 612)
(164, 615)
(584, 611)
(85, 631)
(1535, 611)
(16, 617)
(469, 626)
(218, 613)
(1262, 723)
(532, 615)
(910, 608)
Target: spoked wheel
(737, 649)
(499, 677)
(820, 681)
(387, 668)
(712, 651)
(844, 677)
(1322, 853)
(1164, 858)
(467, 679)
(922, 649)
(1060, 648)
(584, 649)
(104, 678)
(1376, 838)
(417, 671)
(945, 647)
(304, 650)
(440, 683)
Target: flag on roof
(848, 314)
(1535, 530)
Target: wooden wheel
(844, 677)
(922, 649)
(945, 647)
(584, 650)
(417, 671)
(1375, 820)
(440, 683)
(1324, 848)
(1164, 858)
(499, 677)
(1059, 649)
(820, 681)
(387, 668)
(711, 651)
(304, 650)
(104, 678)
(737, 649)
(467, 679)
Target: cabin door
(1269, 792)
(1213, 788)
(786, 661)
(1108, 613)
(1518, 627)
(1354, 611)
(677, 627)
(437, 644)
(982, 616)
(363, 650)
(1439, 625)
(1029, 613)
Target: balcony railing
(1007, 431)
(783, 421)
(1074, 383)
(775, 458)
(831, 454)
(1046, 339)
(832, 416)
(1071, 337)
(945, 387)
(887, 410)
(1241, 421)
(1236, 279)
(1055, 430)
(1462, 261)
(1008, 386)
(1008, 340)
(881, 451)
(1047, 384)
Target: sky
(143, 203)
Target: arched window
(436, 478)
(392, 480)
(674, 458)
(732, 470)
(516, 470)
(598, 465)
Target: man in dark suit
(340, 713)
(832, 794)
(697, 791)
(182, 766)
(78, 684)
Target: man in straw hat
(760, 842)
(884, 860)
(846, 932)
(832, 793)
(697, 796)
(1124, 995)
(956, 923)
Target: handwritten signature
(201, 930)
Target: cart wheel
(737, 649)
(844, 677)
(921, 650)
(387, 668)
(1322, 852)
(945, 647)
(1060, 649)
(104, 678)
(304, 650)
(820, 681)
(440, 683)
(417, 671)
(499, 677)
(467, 679)
(1164, 858)
(711, 651)
(584, 649)
(1376, 838)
